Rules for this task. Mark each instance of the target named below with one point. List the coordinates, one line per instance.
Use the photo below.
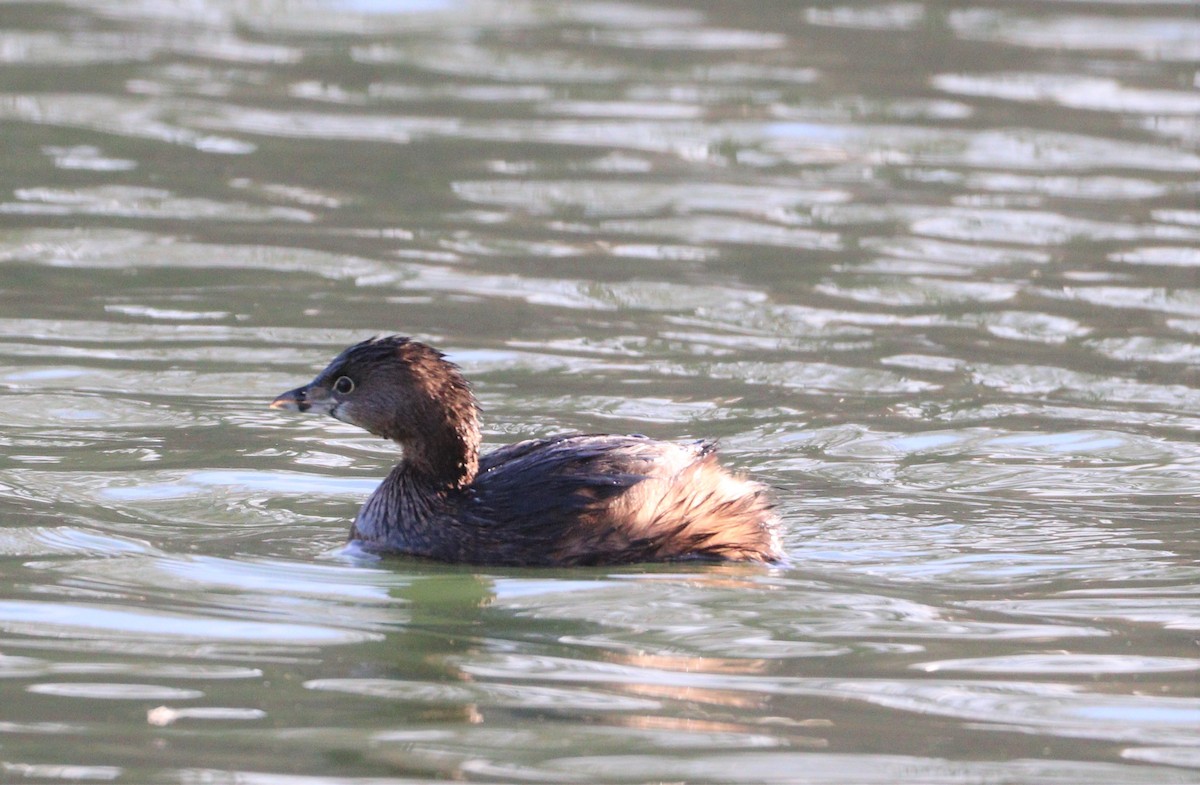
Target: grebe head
(403, 390)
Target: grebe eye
(344, 385)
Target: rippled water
(928, 268)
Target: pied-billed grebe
(565, 500)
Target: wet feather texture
(567, 500)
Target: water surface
(927, 268)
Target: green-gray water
(927, 268)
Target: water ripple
(823, 768)
(1056, 709)
(113, 691)
(1078, 92)
(517, 696)
(153, 203)
(1170, 613)
(1170, 39)
(1061, 664)
(84, 621)
(128, 117)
